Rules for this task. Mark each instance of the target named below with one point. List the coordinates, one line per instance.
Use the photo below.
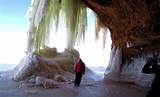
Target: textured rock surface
(135, 30)
(134, 24)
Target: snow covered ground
(98, 71)
(88, 88)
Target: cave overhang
(134, 25)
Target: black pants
(77, 80)
(154, 92)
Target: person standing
(79, 70)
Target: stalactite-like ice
(117, 60)
(36, 11)
(113, 70)
(40, 12)
(112, 54)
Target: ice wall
(130, 71)
(113, 69)
(133, 72)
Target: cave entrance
(92, 52)
(96, 54)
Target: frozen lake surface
(5, 67)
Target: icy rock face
(39, 65)
(130, 71)
(112, 54)
(135, 28)
(116, 60)
(133, 72)
(25, 68)
(45, 82)
(113, 69)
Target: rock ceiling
(134, 24)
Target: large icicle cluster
(44, 13)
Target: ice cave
(134, 28)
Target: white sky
(13, 45)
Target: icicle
(32, 10)
(40, 13)
(112, 54)
(36, 11)
(114, 64)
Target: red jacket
(80, 67)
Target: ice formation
(48, 66)
(113, 69)
(40, 12)
(133, 72)
(36, 11)
(130, 71)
